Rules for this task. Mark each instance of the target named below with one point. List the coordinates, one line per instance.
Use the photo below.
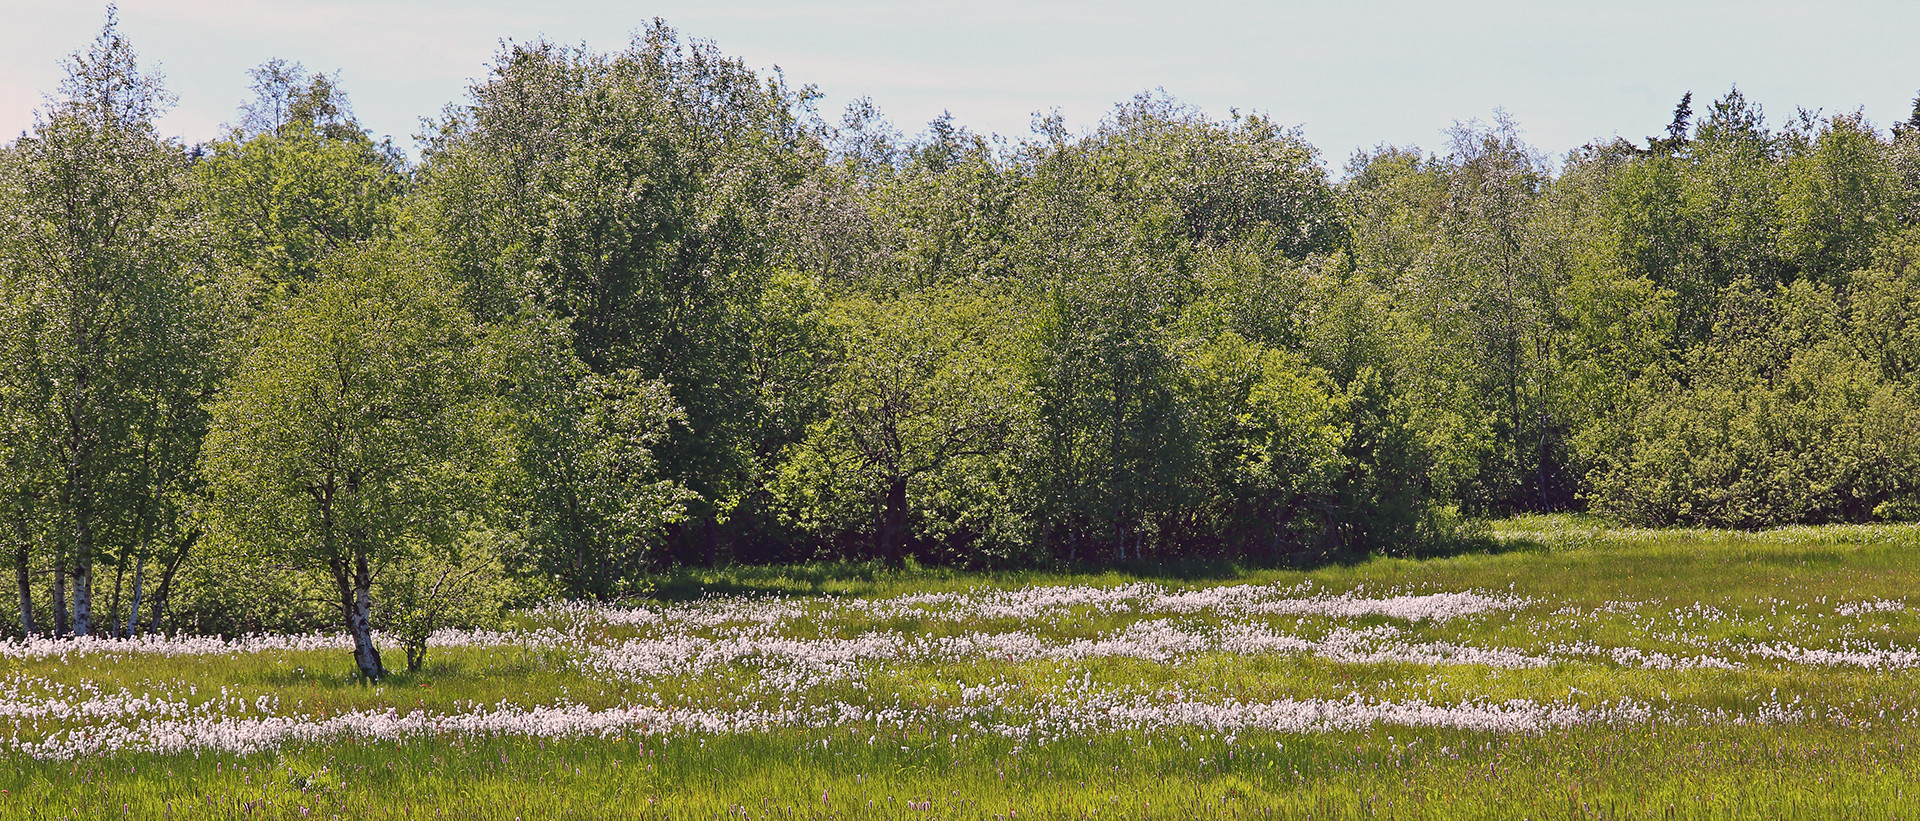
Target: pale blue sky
(1353, 74)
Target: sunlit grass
(1588, 618)
(1686, 773)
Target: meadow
(1577, 670)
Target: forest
(647, 309)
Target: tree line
(648, 308)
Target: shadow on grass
(444, 667)
(339, 674)
(856, 578)
(1477, 544)
(813, 579)
(1177, 569)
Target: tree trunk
(82, 565)
(113, 603)
(710, 535)
(23, 576)
(893, 522)
(80, 503)
(59, 597)
(133, 609)
(415, 644)
(360, 624)
(82, 600)
(165, 589)
(356, 600)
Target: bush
(1825, 440)
(462, 586)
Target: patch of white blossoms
(750, 664)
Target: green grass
(1730, 773)
(1849, 751)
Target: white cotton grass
(753, 664)
(1156, 640)
(1077, 712)
(160, 645)
(252, 734)
(1140, 599)
(1859, 608)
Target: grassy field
(1579, 672)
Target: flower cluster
(750, 664)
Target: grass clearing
(1577, 672)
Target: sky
(1351, 73)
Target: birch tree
(95, 250)
(354, 430)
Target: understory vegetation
(634, 314)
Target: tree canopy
(646, 308)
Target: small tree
(432, 586)
(353, 430)
(924, 382)
(1270, 438)
(599, 506)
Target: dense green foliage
(644, 309)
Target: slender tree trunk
(356, 599)
(353, 580)
(59, 596)
(22, 575)
(710, 536)
(79, 498)
(83, 562)
(82, 600)
(165, 589)
(893, 522)
(133, 609)
(1115, 460)
(113, 603)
